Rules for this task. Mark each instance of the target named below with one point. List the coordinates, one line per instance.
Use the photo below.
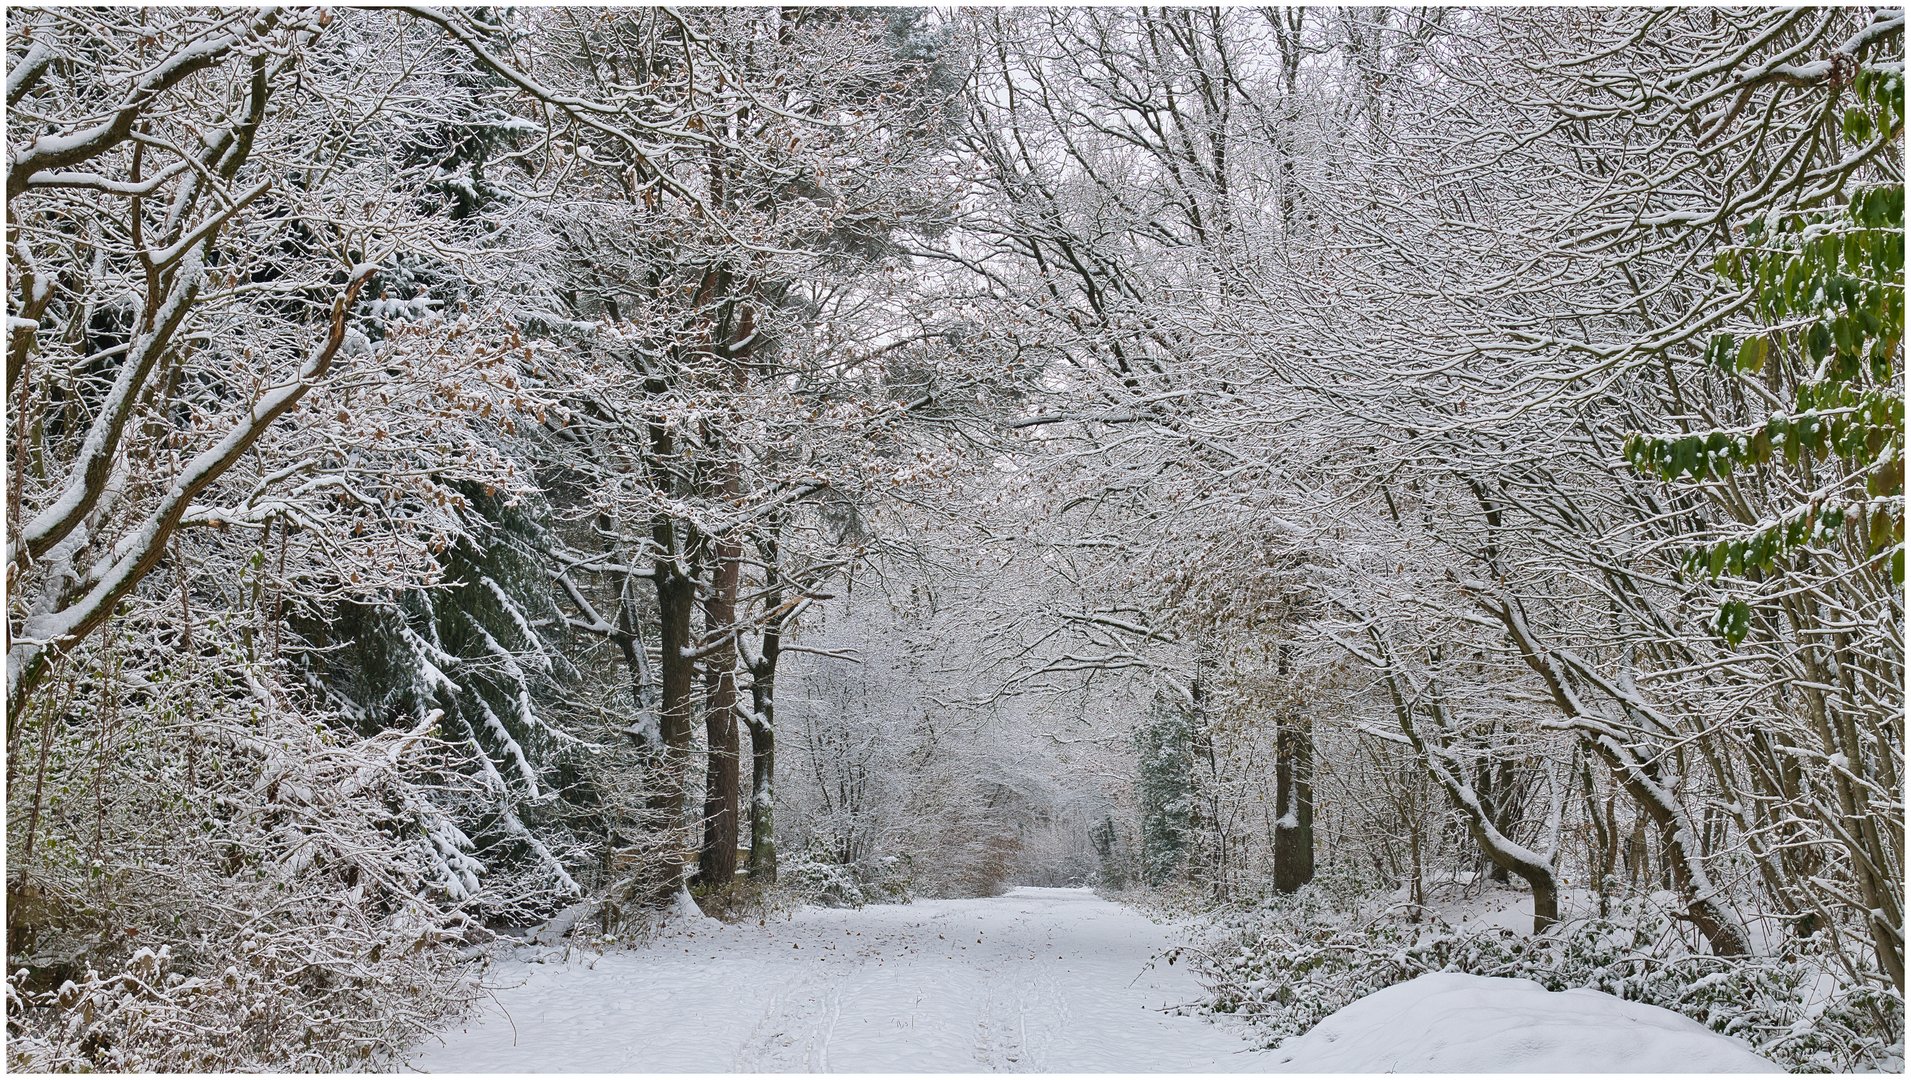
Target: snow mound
(684, 912)
(1449, 1022)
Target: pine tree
(1164, 789)
(471, 649)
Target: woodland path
(1055, 980)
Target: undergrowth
(1291, 963)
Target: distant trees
(1503, 355)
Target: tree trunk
(1293, 791)
(1603, 853)
(676, 595)
(763, 715)
(1531, 867)
(763, 763)
(717, 861)
(717, 856)
(1294, 794)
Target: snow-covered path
(1054, 980)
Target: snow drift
(1449, 1022)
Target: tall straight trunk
(717, 861)
(717, 858)
(1293, 794)
(676, 596)
(763, 763)
(763, 715)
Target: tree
(1165, 790)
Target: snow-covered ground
(1038, 980)
(1448, 1022)
(1055, 980)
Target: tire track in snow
(1036, 980)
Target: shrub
(1289, 965)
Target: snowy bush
(1289, 965)
(817, 878)
(220, 879)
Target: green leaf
(1818, 341)
(1733, 621)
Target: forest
(481, 470)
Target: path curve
(1037, 980)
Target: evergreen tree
(471, 649)
(1106, 840)
(1164, 744)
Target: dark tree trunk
(717, 856)
(763, 715)
(676, 596)
(763, 764)
(1293, 792)
(717, 861)
(1294, 795)
(1604, 848)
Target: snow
(685, 912)
(1449, 1022)
(1038, 980)
(1035, 980)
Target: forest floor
(1055, 980)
